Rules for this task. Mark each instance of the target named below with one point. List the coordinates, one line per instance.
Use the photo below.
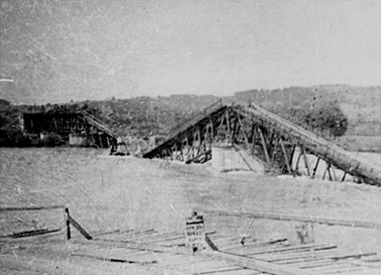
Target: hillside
(361, 105)
(141, 117)
(144, 116)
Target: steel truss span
(281, 146)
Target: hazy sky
(98, 49)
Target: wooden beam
(210, 243)
(67, 223)
(31, 208)
(289, 248)
(31, 233)
(256, 264)
(79, 227)
(299, 218)
(114, 260)
(127, 244)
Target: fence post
(67, 223)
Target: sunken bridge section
(79, 124)
(277, 144)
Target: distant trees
(4, 103)
(328, 119)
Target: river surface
(108, 193)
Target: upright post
(264, 146)
(67, 223)
(285, 156)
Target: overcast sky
(99, 49)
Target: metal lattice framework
(65, 123)
(278, 144)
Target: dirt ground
(110, 193)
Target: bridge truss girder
(81, 123)
(280, 137)
(279, 145)
(280, 153)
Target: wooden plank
(241, 272)
(67, 223)
(145, 247)
(304, 247)
(299, 218)
(258, 265)
(31, 208)
(197, 264)
(365, 272)
(79, 227)
(323, 257)
(233, 242)
(211, 266)
(169, 237)
(173, 260)
(137, 235)
(106, 232)
(31, 233)
(312, 264)
(247, 247)
(223, 270)
(301, 255)
(115, 260)
(338, 266)
(129, 234)
(210, 243)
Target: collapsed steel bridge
(64, 123)
(271, 140)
